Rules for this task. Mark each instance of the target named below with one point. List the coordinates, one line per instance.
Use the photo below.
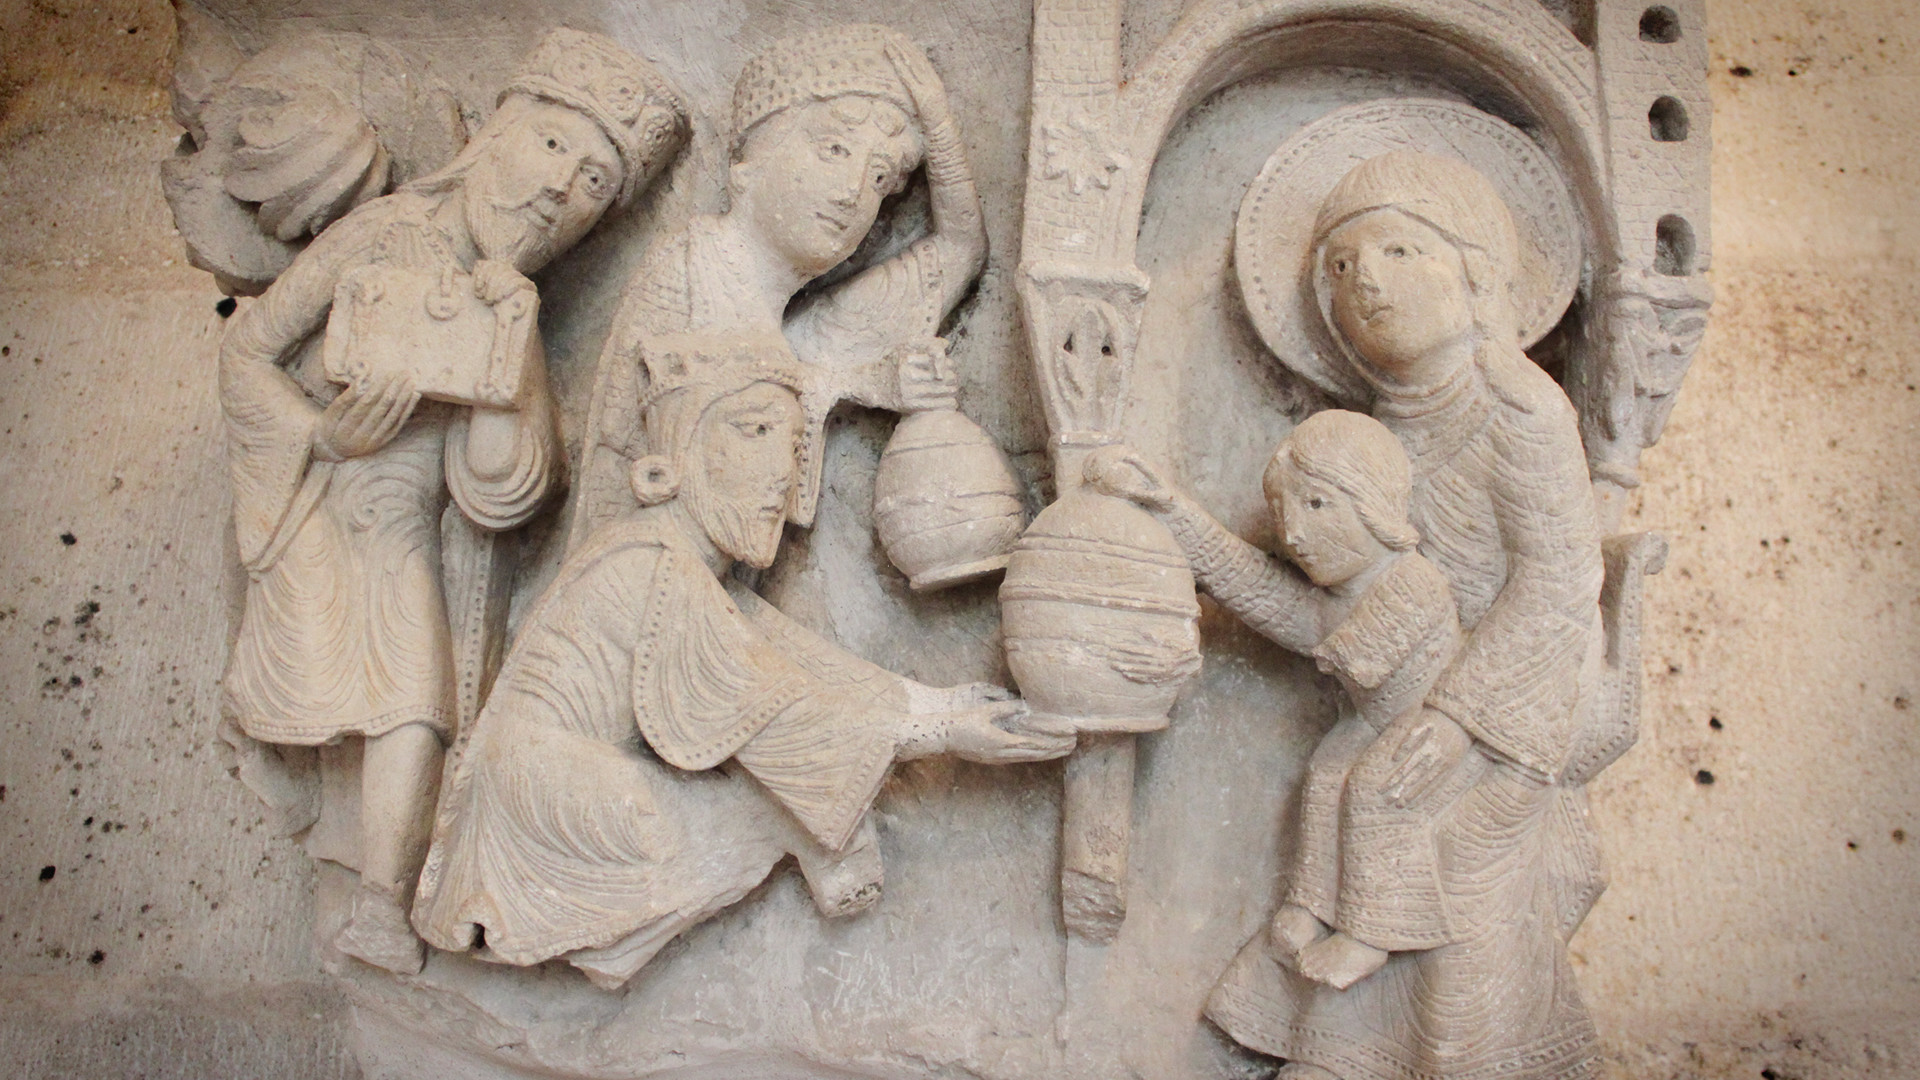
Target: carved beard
(742, 531)
(512, 233)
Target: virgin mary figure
(1413, 265)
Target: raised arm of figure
(959, 237)
(880, 327)
(1269, 595)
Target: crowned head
(725, 427)
(582, 127)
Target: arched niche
(1510, 58)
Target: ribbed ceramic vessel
(1099, 616)
(945, 502)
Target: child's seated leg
(1294, 928)
(1340, 961)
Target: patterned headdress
(822, 64)
(641, 113)
(687, 374)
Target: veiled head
(1412, 252)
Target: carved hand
(991, 734)
(923, 83)
(987, 733)
(1427, 752)
(1123, 472)
(494, 281)
(927, 380)
(364, 418)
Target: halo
(1273, 236)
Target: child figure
(1381, 619)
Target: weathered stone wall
(1765, 883)
(1765, 835)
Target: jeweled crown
(642, 114)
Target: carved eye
(1315, 502)
(1340, 267)
(553, 144)
(1397, 251)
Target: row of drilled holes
(1673, 245)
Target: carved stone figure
(339, 492)
(1413, 260)
(826, 126)
(1380, 618)
(659, 738)
(283, 143)
(1473, 203)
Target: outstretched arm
(1268, 595)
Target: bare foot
(1300, 1070)
(1340, 961)
(1294, 928)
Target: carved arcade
(1487, 292)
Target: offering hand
(1121, 471)
(927, 381)
(990, 734)
(365, 417)
(494, 281)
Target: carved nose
(849, 194)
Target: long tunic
(1361, 864)
(1504, 508)
(345, 629)
(653, 746)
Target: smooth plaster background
(1761, 924)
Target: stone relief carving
(282, 144)
(1443, 823)
(586, 818)
(1490, 237)
(345, 495)
(825, 127)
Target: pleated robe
(1505, 510)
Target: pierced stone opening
(1667, 120)
(1659, 25)
(1673, 247)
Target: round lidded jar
(945, 502)
(1099, 616)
